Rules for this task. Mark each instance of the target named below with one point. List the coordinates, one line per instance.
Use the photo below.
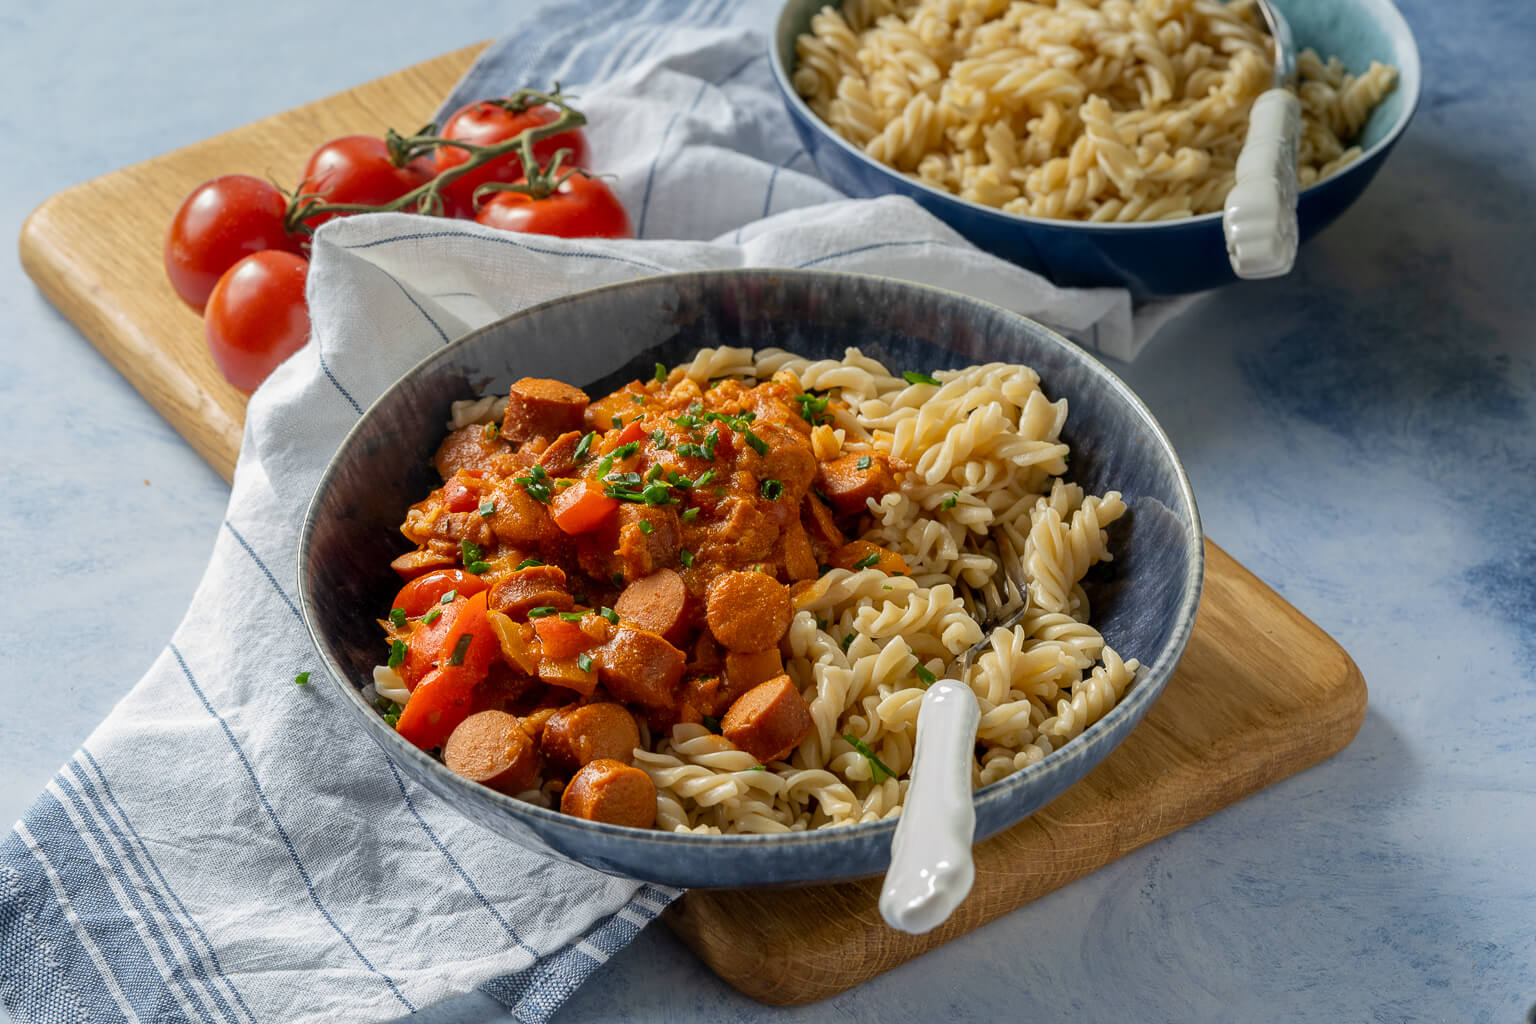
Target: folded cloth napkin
(227, 845)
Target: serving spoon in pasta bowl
(931, 868)
(1259, 215)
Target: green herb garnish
(527, 563)
(646, 527)
(460, 648)
(541, 611)
(711, 723)
(488, 508)
(470, 551)
(479, 567)
(490, 431)
(302, 679)
(396, 653)
(660, 439)
(863, 462)
(584, 663)
(913, 377)
(686, 557)
(772, 489)
(878, 772)
(617, 421)
(609, 614)
(949, 502)
(585, 445)
(869, 560)
(811, 407)
(536, 483)
(448, 597)
(432, 616)
(925, 677)
(689, 515)
(573, 616)
(758, 444)
(661, 373)
(397, 616)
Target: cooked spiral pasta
(982, 456)
(1097, 110)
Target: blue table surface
(1360, 434)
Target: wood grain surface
(95, 249)
(1260, 694)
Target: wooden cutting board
(104, 271)
(1260, 694)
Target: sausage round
(659, 604)
(539, 407)
(769, 720)
(611, 791)
(574, 737)
(491, 748)
(747, 611)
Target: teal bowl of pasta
(1093, 145)
(995, 425)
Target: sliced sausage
(559, 459)
(579, 735)
(649, 539)
(747, 611)
(702, 694)
(418, 563)
(744, 671)
(851, 480)
(790, 462)
(861, 554)
(537, 586)
(640, 667)
(538, 407)
(611, 791)
(491, 748)
(659, 604)
(469, 448)
(533, 722)
(769, 720)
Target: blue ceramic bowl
(1144, 601)
(1162, 258)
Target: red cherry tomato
(581, 207)
(256, 316)
(358, 169)
(483, 124)
(222, 221)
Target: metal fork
(931, 869)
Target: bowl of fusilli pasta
(1092, 141)
(842, 452)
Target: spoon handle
(1259, 218)
(931, 869)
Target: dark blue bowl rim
(1409, 73)
(1149, 683)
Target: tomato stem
(427, 198)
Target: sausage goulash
(592, 567)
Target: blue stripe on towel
(293, 854)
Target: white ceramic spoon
(1259, 216)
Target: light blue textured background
(1360, 434)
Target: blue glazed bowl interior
(1151, 259)
(1144, 601)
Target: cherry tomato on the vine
(358, 169)
(581, 207)
(222, 221)
(256, 316)
(483, 124)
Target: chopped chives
(914, 377)
(758, 444)
(396, 653)
(660, 439)
(878, 772)
(478, 567)
(609, 614)
(448, 597)
(661, 373)
(585, 445)
(488, 508)
(758, 768)
(460, 648)
(772, 489)
(689, 515)
(646, 527)
(527, 563)
(863, 462)
(397, 616)
(617, 421)
(432, 616)
(949, 502)
(470, 550)
(704, 478)
(686, 557)
(302, 679)
(541, 611)
(490, 431)
(871, 559)
(584, 662)
(573, 616)
(925, 677)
